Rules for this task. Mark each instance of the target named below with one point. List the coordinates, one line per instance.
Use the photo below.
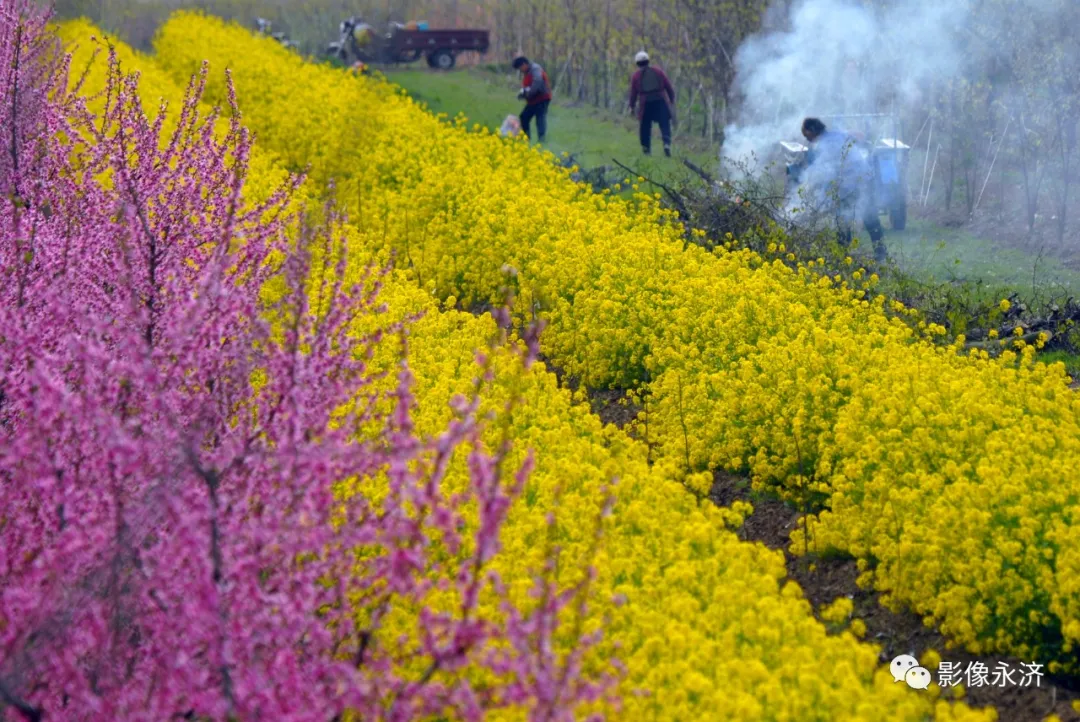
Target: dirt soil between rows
(771, 524)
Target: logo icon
(905, 668)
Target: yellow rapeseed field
(951, 476)
(705, 624)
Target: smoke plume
(833, 57)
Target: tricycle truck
(890, 158)
(406, 44)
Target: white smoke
(836, 57)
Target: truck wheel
(337, 53)
(442, 60)
(898, 212)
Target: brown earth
(613, 407)
(771, 524)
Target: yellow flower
(839, 611)
(745, 362)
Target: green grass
(944, 254)
(1071, 361)
(592, 136)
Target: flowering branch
(207, 511)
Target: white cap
(641, 57)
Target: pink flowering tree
(172, 543)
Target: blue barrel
(888, 169)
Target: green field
(593, 137)
(949, 253)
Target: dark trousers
(863, 206)
(655, 111)
(538, 111)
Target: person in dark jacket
(842, 177)
(536, 92)
(653, 95)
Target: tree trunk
(1001, 189)
(607, 83)
(704, 118)
(711, 104)
(596, 82)
(1067, 133)
(950, 177)
(1030, 192)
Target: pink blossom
(168, 546)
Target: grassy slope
(947, 253)
(593, 137)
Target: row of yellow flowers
(949, 475)
(706, 624)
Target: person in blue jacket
(840, 176)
